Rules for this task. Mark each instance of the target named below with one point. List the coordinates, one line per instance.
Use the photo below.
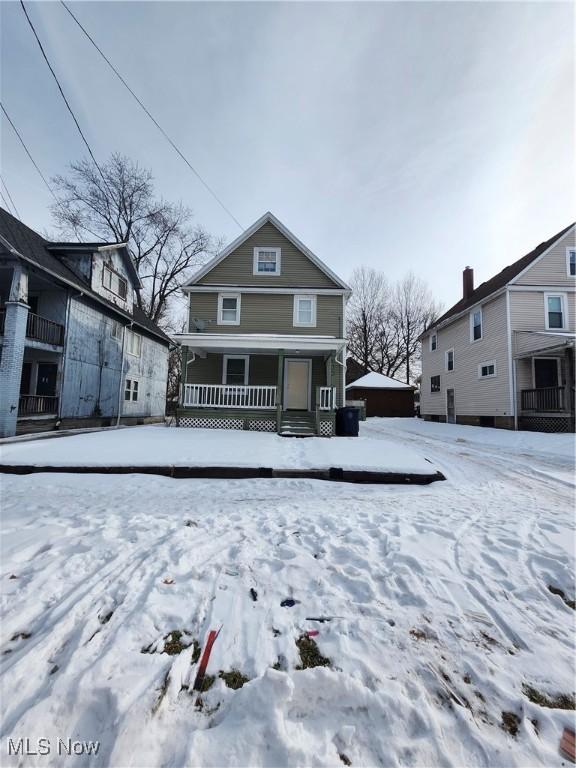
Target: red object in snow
(313, 633)
(568, 744)
(212, 635)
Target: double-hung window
(131, 390)
(229, 309)
(133, 343)
(434, 383)
(571, 262)
(555, 311)
(476, 324)
(304, 310)
(433, 342)
(450, 360)
(114, 282)
(267, 261)
(235, 370)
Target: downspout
(511, 364)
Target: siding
(297, 271)
(552, 268)
(527, 310)
(269, 313)
(115, 262)
(473, 396)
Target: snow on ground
(435, 603)
(137, 446)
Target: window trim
(132, 386)
(128, 345)
(472, 313)
(490, 375)
(277, 251)
(434, 336)
(246, 359)
(116, 326)
(119, 276)
(439, 390)
(295, 322)
(563, 302)
(568, 251)
(221, 297)
(449, 370)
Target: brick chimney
(467, 282)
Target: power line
(84, 139)
(9, 195)
(36, 166)
(156, 123)
(6, 203)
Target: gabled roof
(374, 380)
(501, 279)
(271, 219)
(20, 241)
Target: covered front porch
(544, 374)
(289, 385)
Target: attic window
(114, 282)
(266, 261)
(571, 261)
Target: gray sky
(423, 136)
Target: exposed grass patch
(207, 683)
(562, 594)
(233, 679)
(510, 723)
(310, 655)
(560, 701)
(174, 643)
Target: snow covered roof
(378, 381)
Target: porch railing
(37, 405)
(543, 399)
(41, 329)
(228, 396)
(326, 398)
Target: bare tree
(120, 205)
(364, 313)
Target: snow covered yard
(438, 634)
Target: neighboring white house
(503, 355)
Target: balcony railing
(228, 396)
(544, 399)
(41, 329)
(326, 398)
(37, 405)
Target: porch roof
(270, 342)
(533, 343)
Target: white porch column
(13, 351)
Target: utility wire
(9, 195)
(6, 203)
(84, 139)
(156, 123)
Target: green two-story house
(265, 347)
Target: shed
(383, 396)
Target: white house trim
(261, 289)
(569, 251)
(472, 313)
(446, 369)
(271, 342)
(295, 310)
(277, 251)
(229, 295)
(541, 256)
(511, 364)
(546, 357)
(489, 375)
(285, 387)
(246, 359)
(268, 217)
(562, 296)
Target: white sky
(423, 136)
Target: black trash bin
(347, 421)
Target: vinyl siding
(268, 313)
(297, 271)
(473, 396)
(551, 269)
(527, 309)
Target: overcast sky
(423, 136)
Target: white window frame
(120, 278)
(472, 313)
(133, 335)
(489, 375)
(436, 391)
(449, 370)
(435, 337)
(221, 297)
(132, 386)
(246, 359)
(568, 252)
(277, 251)
(297, 298)
(564, 304)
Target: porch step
(298, 424)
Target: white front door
(297, 385)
